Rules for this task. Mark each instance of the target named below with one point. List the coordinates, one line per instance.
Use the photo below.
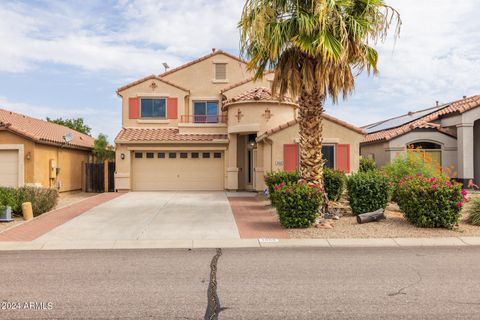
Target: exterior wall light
(122, 156)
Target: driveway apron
(153, 216)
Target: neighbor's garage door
(180, 170)
(8, 168)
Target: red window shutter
(290, 157)
(342, 156)
(172, 108)
(134, 108)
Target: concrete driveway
(153, 216)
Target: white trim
(21, 160)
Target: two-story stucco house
(207, 125)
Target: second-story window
(205, 111)
(154, 108)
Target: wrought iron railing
(203, 119)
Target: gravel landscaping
(395, 226)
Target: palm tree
(316, 48)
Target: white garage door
(177, 170)
(8, 168)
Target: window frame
(154, 117)
(334, 154)
(205, 118)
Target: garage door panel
(9, 168)
(178, 174)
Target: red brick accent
(255, 219)
(37, 227)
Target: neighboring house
(35, 152)
(449, 132)
(207, 125)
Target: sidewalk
(241, 243)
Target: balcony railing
(203, 119)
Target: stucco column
(465, 151)
(232, 168)
(259, 168)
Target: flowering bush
(297, 203)
(430, 202)
(334, 183)
(368, 191)
(274, 178)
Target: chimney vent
(464, 97)
(213, 50)
(437, 103)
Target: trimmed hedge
(334, 183)
(297, 203)
(367, 192)
(275, 178)
(367, 165)
(430, 202)
(42, 199)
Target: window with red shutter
(343, 157)
(172, 108)
(134, 108)
(290, 157)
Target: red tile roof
(188, 64)
(456, 107)
(254, 95)
(43, 131)
(151, 77)
(164, 135)
(293, 122)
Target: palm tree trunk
(310, 122)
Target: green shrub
(430, 202)
(474, 212)
(8, 197)
(275, 178)
(334, 183)
(368, 191)
(297, 203)
(42, 199)
(367, 165)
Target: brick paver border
(255, 219)
(42, 224)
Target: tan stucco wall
(199, 77)
(37, 168)
(333, 133)
(253, 119)
(265, 82)
(144, 90)
(377, 152)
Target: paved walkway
(255, 219)
(44, 223)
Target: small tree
(102, 150)
(74, 124)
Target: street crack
(213, 306)
(402, 290)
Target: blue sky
(66, 58)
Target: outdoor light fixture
(28, 156)
(122, 156)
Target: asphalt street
(277, 283)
